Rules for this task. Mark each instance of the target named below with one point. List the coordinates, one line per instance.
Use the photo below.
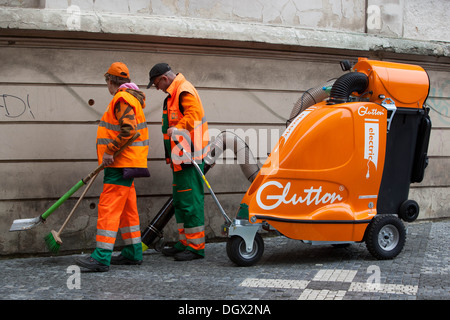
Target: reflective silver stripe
(104, 245)
(141, 126)
(180, 228)
(130, 229)
(132, 241)
(196, 240)
(143, 143)
(195, 229)
(109, 126)
(106, 233)
(116, 127)
(104, 141)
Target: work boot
(121, 260)
(170, 252)
(91, 264)
(187, 255)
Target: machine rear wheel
(236, 251)
(409, 211)
(385, 236)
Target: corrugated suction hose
(309, 98)
(346, 84)
(228, 140)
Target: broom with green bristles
(53, 240)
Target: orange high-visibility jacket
(134, 156)
(192, 120)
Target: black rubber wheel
(236, 251)
(409, 211)
(385, 236)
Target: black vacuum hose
(225, 140)
(346, 84)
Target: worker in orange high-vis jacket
(184, 122)
(117, 208)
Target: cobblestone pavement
(288, 270)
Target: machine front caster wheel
(385, 236)
(236, 251)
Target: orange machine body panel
(321, 181)
(407, 85)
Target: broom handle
(77, 204)
(91, 177)
(84, 181)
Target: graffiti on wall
(14, 107)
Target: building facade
(250, 60)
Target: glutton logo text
(365, 111)
(312, 196)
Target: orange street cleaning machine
(341, 171)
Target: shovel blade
(25, 224)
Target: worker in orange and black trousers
(117, 208)
(184, 122)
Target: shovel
(27, 224)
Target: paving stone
(288, 270)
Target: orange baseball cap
(119, 69)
